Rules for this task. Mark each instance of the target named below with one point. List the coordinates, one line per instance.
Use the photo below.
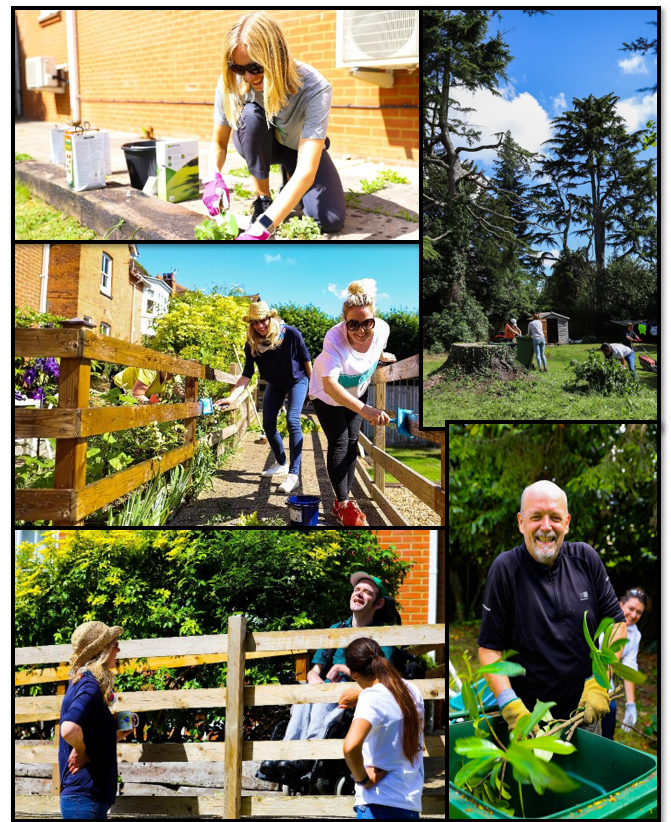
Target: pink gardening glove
(255, 232)
(216, 195)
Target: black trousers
(324, 201)
(341, 427)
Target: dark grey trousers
(325, 200)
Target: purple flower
(35, 393)
(18, 395)
(29, 376)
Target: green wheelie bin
(616, 782)
(525, 351)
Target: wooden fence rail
(236, 646)
(429, 492)
(71, 500)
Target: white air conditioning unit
(376, 38)
(41, 74)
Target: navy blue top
(538, 611)
(283, 365)
(84, 704)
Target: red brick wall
(116, 311)
(27, 271)
(412, 545)
(175, 56)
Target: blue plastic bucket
(303, 510)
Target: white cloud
(270, 259)
(636, 111)
(559, 103)
(633, 65)
(523, 115)
(369, 284)
(383, 295)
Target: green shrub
(603, 376)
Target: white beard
(544, 556)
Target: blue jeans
(631, 360)
(539, 348)
(384, 812)
(272, 402)
(608, 722)
(80, 806)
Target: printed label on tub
(296, 515)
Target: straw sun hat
(259, 311)
(89, 639)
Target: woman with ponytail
(339, 388)
(87, 746)
(383, 747)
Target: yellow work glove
(513, 712)
(596, 702)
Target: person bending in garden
(87, 758)
(146, 385)
(623, 353)
(633, 604)
(339, 389)
(284, 362)
(279, 110)
(310, 721)
(534, 601)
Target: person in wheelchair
(369, 605)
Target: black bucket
(141, 161)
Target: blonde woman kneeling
(339, 388)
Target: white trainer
(289, 483)
(276, 469)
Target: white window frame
(34, 536)
(106, 288)
(46, 15)
(104, 326)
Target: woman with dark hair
(633, 604)
(383, 747)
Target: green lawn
(542, 398)
(35, 220)
(424, 460)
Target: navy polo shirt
(538, 611)
(84, 705)
(283, 365)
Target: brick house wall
(27, 272)
(177, 67)
(74, 285)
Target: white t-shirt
(536, 330)
(383, 748)
(620, 350)
(351, 368)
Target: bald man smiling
(534, 601)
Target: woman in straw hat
(284, 362)
(87, 747)
(339, 388)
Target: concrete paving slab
(152, 218)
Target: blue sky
(317, 274)
(556, 57)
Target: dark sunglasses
(252, 68)
(354, 325)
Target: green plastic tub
(616, 782)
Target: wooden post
(61, 688)
(237, 369)
(191, 395)
(74, 385)
(379, 433)
(442, 477)
(235, 682)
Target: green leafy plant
(254, 519)
(299, 228)
(222, 227)
(604, 377)
(528, 755)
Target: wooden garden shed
(555, 326)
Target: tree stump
(470, 357)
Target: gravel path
(239, 488)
